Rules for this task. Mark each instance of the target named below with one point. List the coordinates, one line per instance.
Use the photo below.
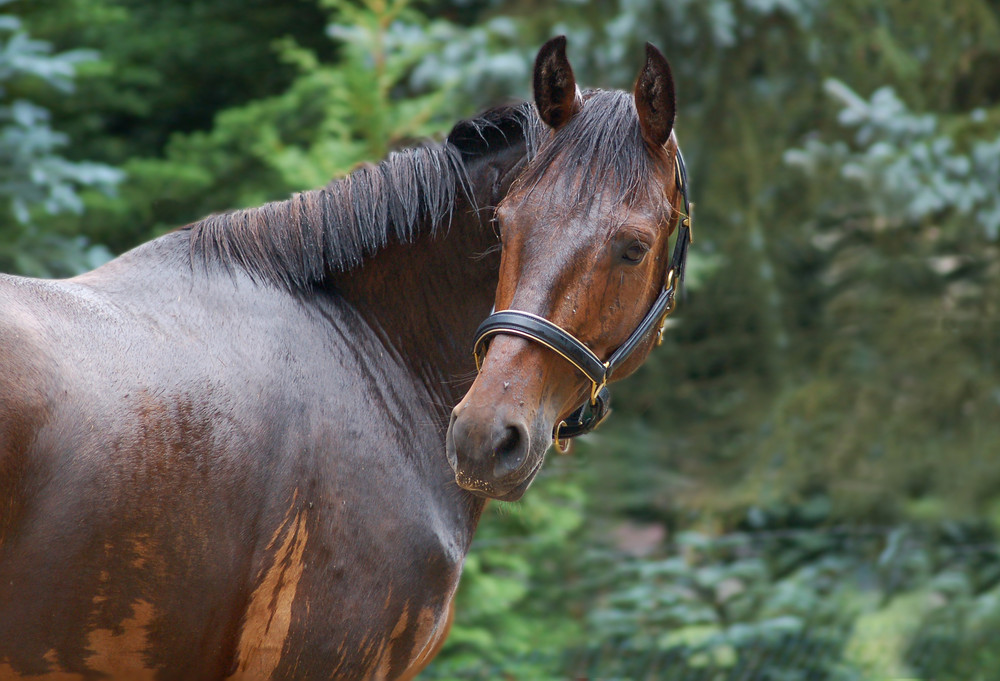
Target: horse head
(586, 276)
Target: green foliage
(784, 596)
(720, 610)
(169, 67)
(331, 117)
(911, 168)
(33, 176)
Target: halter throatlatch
(591, 413)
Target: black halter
(531, 326)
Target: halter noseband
(527, 325)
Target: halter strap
(535, 328)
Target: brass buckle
(666, 313)
(663, 324)
(659, 331)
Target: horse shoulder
(357, 566)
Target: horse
(258, 446)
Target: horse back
(117, 523)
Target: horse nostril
(510, 447)
(508, 442)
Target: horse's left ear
(654, 98)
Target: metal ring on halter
(558, 442)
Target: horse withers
(253, 448)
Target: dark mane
(295, 243)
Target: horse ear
(556, 95)
(654, 98)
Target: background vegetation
(804, 482)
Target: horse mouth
(490, 490)
(481, 488)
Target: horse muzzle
(494, 453)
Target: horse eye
(635, 253)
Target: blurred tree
(33, 176)
(169, 67)
(329, 117)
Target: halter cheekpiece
(527, 325)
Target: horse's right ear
(556, 94)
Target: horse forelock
(600, 155)
(296, 243)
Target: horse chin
(508, 491)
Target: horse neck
(426, 298)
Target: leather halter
(527, 325)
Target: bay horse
(257, 447)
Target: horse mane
(298, 242)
